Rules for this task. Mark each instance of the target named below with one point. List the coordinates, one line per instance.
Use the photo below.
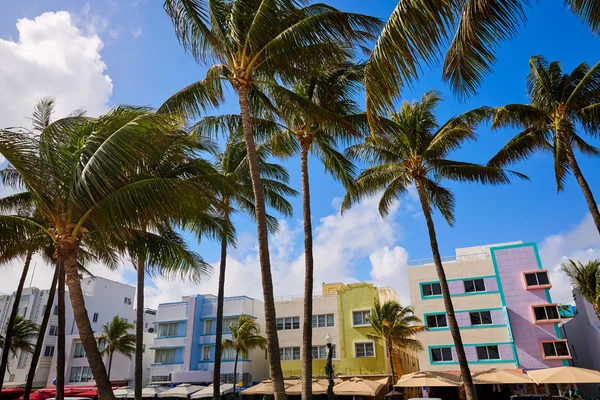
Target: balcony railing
(464, 257)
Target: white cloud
(581, 243)
(137, 32)
(52, 57)
(390, 269)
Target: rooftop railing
(445, 259)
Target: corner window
(164, 356)
(441, 354)
(48, 351)
(437, 321)
(431, 289)
(323, 320)
(228, 354)
(289, 353)
(488, 353)
(53, 331)
(546, 313)
(361, 317)
(167, 329)
(287, 323)
(81, 374)
(79, 351)
(481, 318)
(474, 285)
(364, 349)
(555, 349)
(533, 279)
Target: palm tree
(464, 33)
(395, 327)
(414, 151)
(82, 176)
(115, 338)
(585, 278)
(245, 336)
(257, 44)
(23, 334)
(560, 103)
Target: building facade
(184, 348)
(104, 299)
(503, 307)
(341, 312)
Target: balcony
(449, 259)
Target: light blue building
(185, 341)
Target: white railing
(291, 297)
(463, 257)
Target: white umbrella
(149, 391)
(122, 392)
(224, 388)
(183, 391)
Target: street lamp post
(329, 369)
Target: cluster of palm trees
(128, 183)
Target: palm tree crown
(24, 333)
(586, 278)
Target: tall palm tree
(464, 33)
(245, 336)
(81, 174)
(585, 278)
(563, 105)
(395, 327)
(257, 44)
(23, 333)
(115, 338)
(414, 151)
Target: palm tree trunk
(585, 188)
(235, 372)
(308, 279)
(263, 247)
(220, 301)
(391, 357)
(139, 330)
(42, 335)
(13, 316)
(110, 364)
(470, 392)
(60, 345)
(68, 254)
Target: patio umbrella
(182, 391)
(224, 388)
(266, 387)
(500, 376)
(394, 394)
(564, 375)
(149, 391)
(122, 392)
(319, 386)
(360, 387)
(428, 378)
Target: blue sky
(146, 65)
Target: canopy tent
(181, 391)
(266, 387)
(224, 388)
(149, 391)
(360, 387)
(565, 375)
(428, 378)
(122, 392)
(319, 386)
(500, 376)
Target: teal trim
(470, 327)
(479, 310)
(445, 346)
(470, 278)
(475, 362)
(228, 316)
(475, 293)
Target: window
(546, 313)
(474, 285)
(437, 321)
(287, 323)
(226, 326)
(79, 351)
(537, 278)
(320, 352)
(208, 326)
(289, 353)
(48, 351)
(55, 310)
(364, 349)
(555, 349)
(127, 300)
(361, 317)
(160, 378)
(164, 356)
(481, 318)
(245, 378)
(431, 289)
(323, 320)
(205, 353)
(81, 374)
(228, 354)
(488, 353)
(53, 331)
(441, 354)
(95, 319)
(167, 329)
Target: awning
(500, 376)
(182, 391)
(122, 392)
(360, 387)
(149, 391)
(224, 388)
(319, 386)
(266, 387)
(428, 378)
(564, 375)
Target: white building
(104, 299)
